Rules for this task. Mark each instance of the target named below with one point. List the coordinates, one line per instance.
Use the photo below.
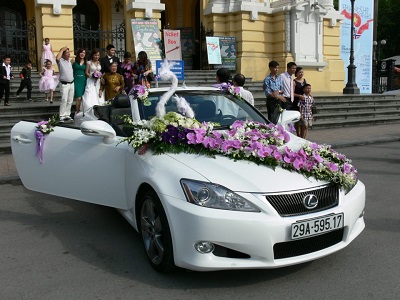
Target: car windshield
(208, 106)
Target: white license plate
(317, 226)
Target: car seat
(205, 111)
(120, 106)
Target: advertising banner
(178, 68)
(363, 39)
(213, 50)
(172, 44)
(146, 37)
(228, 52)
(187, 44)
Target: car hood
(246, 176)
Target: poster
(213, 50)
(178, 68)
(146, 37)
(228, 52)
(187, 44)
(363, 39)
(172, 44)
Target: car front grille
(308, 245)
(291, 204)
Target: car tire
(156, 234)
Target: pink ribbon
(40, 142)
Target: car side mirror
(99, 128)
(289, 116)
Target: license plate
(317, 226)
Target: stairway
(333, 110)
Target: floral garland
(245, 140)
(140, 92)
(44, 128)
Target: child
(49, 80)
(5, 77)
(306, 111)
(47, 52)
(26, 80)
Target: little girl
(49, 80)
(47, 52)
(306, 110)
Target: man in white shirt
(5, 76)
(287, 85)
(239, 80)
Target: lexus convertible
(225, 189)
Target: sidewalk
(337, 137)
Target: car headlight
(215, 196)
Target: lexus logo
(310, 201)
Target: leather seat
(120, 106)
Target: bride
(92, 95)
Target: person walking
(305, 105)
(110, 58)
(239, 80)
(287, 85)
(67, 83)
(26, 80)
(273, 91)
(48, 81)
(5, 77)
(79, 67)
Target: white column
(147, 5)
(57, 4)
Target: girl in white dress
(92, 96)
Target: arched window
(86, 14)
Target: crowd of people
(87, 80)
(285, 92)
(96, 80)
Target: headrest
(121, 101)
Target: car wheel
(156, 233)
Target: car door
(74, 165)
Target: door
(74, 165)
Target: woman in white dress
(91, 95)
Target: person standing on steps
(67, 83)
(5, 77)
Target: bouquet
(44, 128)
(229, 89)
(96, 75)
(141, 92)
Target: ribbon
(39, 146)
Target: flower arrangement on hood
(44, 128)
(263, 144)
(140, 92)
(228, 88)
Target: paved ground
(337, 137)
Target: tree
(388, 13)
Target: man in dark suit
(106, 61)
(5, 76)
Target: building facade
(304, 31)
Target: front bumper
(253, 234)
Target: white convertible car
(234, 207)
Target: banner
(363, 39)
(146, 37)
(187, 44)
(228, 52)
(213, 50)
(178, 68)
(172, 44)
